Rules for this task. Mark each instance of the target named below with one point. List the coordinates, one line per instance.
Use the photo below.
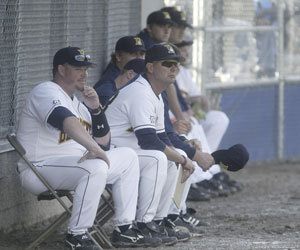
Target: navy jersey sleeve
(57, 117)
(148, 139)
(168, 124)
(178, 143)
(183, 104)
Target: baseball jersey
(39, 138)
(136, 107)
(110, 74)
(186, 83)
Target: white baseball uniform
(137, 107)
(209, 131)
(56, 157)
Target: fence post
(281, 84)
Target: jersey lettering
(63, 137)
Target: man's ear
(61, 70)
(130, 74)
(149, 28)
(149, 67)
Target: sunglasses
(169, 64)
(82, 58)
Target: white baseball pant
(155, 187)
(88, 180)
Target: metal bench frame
(104, 213)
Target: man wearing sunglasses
(136, 118)
(69, 141)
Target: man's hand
(182, 127)
(195, 143)
(204, 160)
(95, 154)
(187, 170)
(90, 97)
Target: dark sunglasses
(82, 58)
(169, 64)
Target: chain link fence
(32, 31)
(250, 68)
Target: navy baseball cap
(130, 44)
(137, 65)
(73, 56)
(161, 52)
(159, 17)
(178, 17)
(184, 43)
(233, 159)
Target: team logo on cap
(81, 51)
(169, 48)
(166, 15)
(138, 41)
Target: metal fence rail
(227, 64)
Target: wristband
(96, 110)
(100, 125)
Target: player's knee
(98, 167)
(161, 158)
(218, 117)
(158, 160)
(132, 158)
(172, 170)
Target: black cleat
(81, 242)
(215, 186)
(198, 193)
(193, 220)
(169, 240)
(152, 229)
(133, 237)
(181, 222)
(233, 185)
(181, 233)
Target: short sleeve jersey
(186, 83)
(136, 107)
(39, 138)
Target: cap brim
(171, 57)
(136, 49)
(185, 24)
(83, 64)
(165, 22)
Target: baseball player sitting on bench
(55, 130)
(153, 163)
(136, 117)
(107, 89)
(126, 49)
(209, 132)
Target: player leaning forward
(55, 130)
(136, 118)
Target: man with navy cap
(159, 25)
(66, 139)
(136, 118)
(126, 49)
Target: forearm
(73, 128)
(173, 155)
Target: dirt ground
(265, 215)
